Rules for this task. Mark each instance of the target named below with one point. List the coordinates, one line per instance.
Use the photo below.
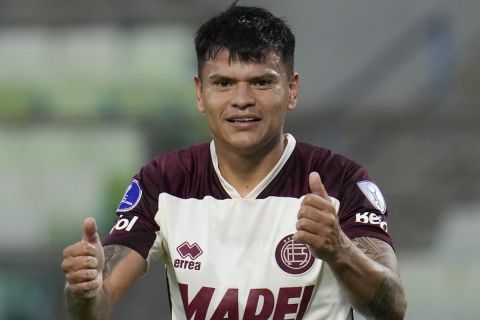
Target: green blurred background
(91, 90)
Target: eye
(262, 82)
(222, 83)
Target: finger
(309, 226)
(84, 288)
(322, 228)
(79, 249)
(81, 276)
(307, 238)
(79, 263)
(314, 209)
(316, 185)
(90, 231)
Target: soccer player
(253, 225)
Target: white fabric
(238, 238)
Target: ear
(198, 93)
(294, 88)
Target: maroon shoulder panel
(340, 176)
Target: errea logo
(188, 252)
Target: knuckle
(298, 225)
(91, 262)
(331, 220)
(330, 207)
(72, 278)
(93, 274)
(87, 249)
(91, 285)
(81, 288)
(308, 198)
(302, 223)
(81, 276)
(65, 266)
(297, 236)
(66, 252)
(68, 277)
(303, 211)
(300, 236)
(88, 275)
(87, 286)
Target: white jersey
(229, 257)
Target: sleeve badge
(131, 198)
(373, 194)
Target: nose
(242, 96)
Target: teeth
(244, 120)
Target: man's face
(246, 103)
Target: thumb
(90, 231)
(316, 185)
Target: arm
(366, 268)
(389, 292)
(98, 277)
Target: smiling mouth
(243, 120)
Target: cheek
(281, 114)
(280, 105)
(214, 101)
(212, 114)
(281, 97)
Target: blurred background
(91, 90)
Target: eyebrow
(269, 75)
(216, 76)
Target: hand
(317, 224)
(83, 262)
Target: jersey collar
(232, 192)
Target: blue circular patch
(131, 198)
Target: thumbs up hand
(317, 224)
(83, 262)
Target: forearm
(372, 288)
(83, 308)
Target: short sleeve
(363, 211)
(135, 225)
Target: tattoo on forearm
(377, 250)
(113, 255)
(385, 298)
(390, 292)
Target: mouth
(243, 119)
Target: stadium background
(90, 90)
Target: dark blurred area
(91, 90)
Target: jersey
(233, 257)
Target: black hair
(249, 34)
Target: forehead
(222, 64)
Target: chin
(250, 146)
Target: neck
(244, 171)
